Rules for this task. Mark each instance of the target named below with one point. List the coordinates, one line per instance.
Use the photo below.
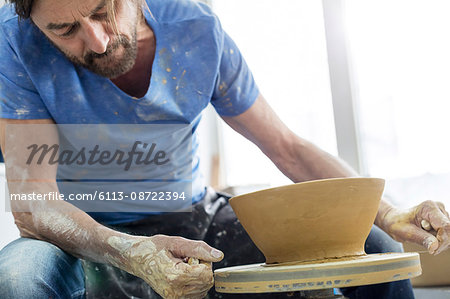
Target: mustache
(121, 40)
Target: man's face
(80, 29)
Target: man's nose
(95, 37)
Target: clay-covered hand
(174, 267)
(426, 224)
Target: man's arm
(301, 160)
(76, 232)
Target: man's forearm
(304, 161)
(66, 226)
(301, 161)
(297, 158)
(159, 260)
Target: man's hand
(427, 224)
(174, 267)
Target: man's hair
(22, 7)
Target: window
(400, 51)
(283, 43)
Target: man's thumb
(427, 240)
(196, 249)
(431, 243)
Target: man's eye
(69, 32)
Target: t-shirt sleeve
(235, 90)
(18, 97)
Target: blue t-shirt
(196, 63)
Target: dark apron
(211, 220)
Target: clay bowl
(312, 220)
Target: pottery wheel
(316, 275)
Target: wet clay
(311, 220)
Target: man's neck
(136, 82)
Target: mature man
(129, 62)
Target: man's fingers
(434, 214)
(443, 235)
(434, 218)
(446, 213)
(181, 248)
(428, 241)
(187, 279)
(414, 234)
(442, 208)
(197, 291)
(197, 288)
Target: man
(117, 62)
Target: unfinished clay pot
(311, 220)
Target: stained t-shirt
(196, 63)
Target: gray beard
(105, 64)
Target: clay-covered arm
(57, 222)
(159, 260)
(301, 160)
